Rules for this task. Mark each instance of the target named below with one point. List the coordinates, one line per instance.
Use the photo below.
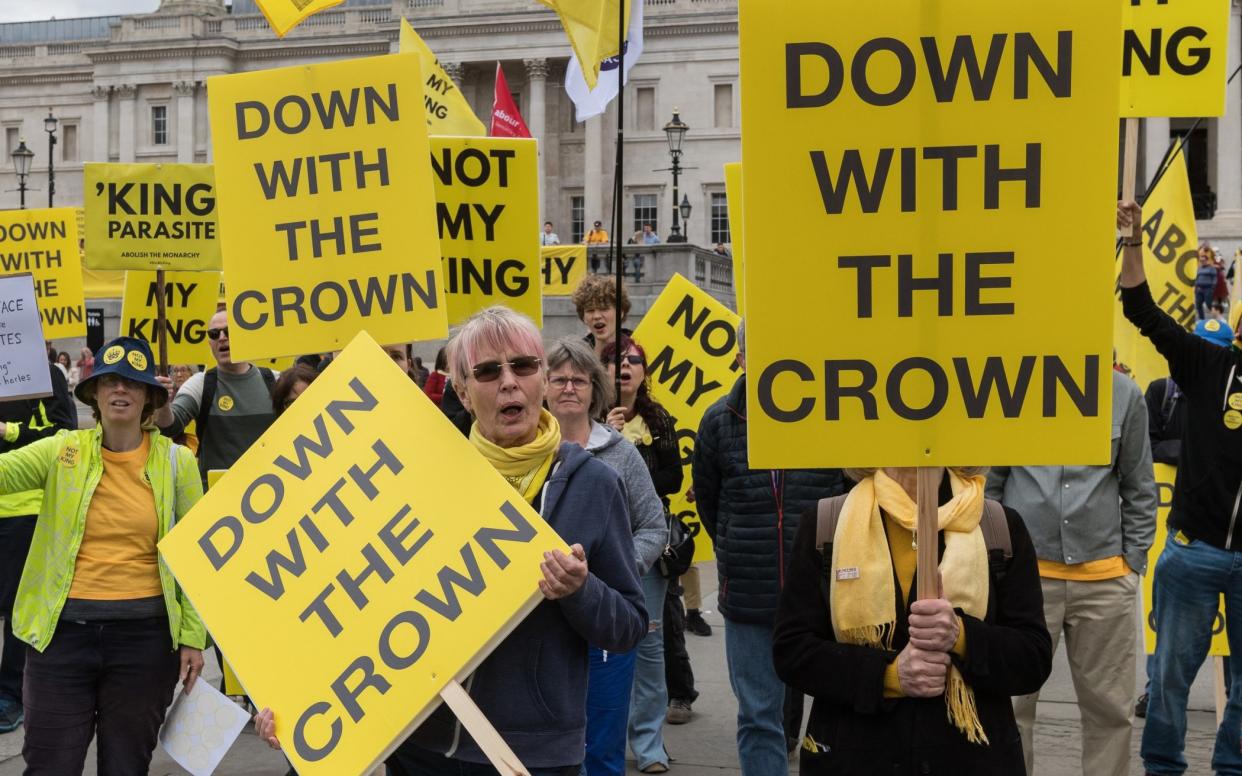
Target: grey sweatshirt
(646, 511)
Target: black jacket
(1208, 493)
(1166, 420)
(751, 515)
(663, 456)
(856, 730)
(39, 418)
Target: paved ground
(705, 747)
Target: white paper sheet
(201, 727)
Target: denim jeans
(649, 703)
(1188, 583)
(607, 711)
(760, 699)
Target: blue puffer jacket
(751, 515)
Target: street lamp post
(49, 126)
(675, 131)
(22, 157)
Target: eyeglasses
(214, 334)
(522, 366)
(633, 359)
(575, 384)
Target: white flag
(592, 102)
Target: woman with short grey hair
(578, 394)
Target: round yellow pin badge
(1233, 420)
(113, 355)
(137, 360)
(225, 403)
(1235, 401)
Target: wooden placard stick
(161, 322)
(927, 535)
(1218, 682)
(1129, 161)
(480, 729)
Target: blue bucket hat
(126, 357)
(1215, 332)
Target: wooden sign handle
(1129, 161)
(480, 729)
(161, 323)
(928, 534)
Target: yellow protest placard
(1170, 256)
(691, 344)
(284, 15)
(325, 206)
(1173, 58)
(564, 267)
(190, 301)
(733, 194)
(337, 556)
(1165, 477)
(448, 112)
(487, 210)
(920, 209)
(151, 216)
(45, 243)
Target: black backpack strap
(210, 380)
(269, 377)
(995, 528)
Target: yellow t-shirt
(117, 560)
(1091, 571)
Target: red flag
(506, 119)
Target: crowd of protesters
(816, 568)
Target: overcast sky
(21, 11)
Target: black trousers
(112, 678)
(16, 534)
(678, 674)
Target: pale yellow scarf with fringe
(526, 466)
(863, 591)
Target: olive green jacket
(68, 467)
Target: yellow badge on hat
(113, 355)
(225, 403)
(137, 360)
(1233, 420)
(1212, 325)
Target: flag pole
(618, 204)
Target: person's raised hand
(922, 674)
(616, 418)
(1129, 218)
(563, 575)
(167, 383)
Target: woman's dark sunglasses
(214, 334)
(522, 366)
(633, 359)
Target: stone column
(1229, 133)
(1155, 143)
(537, 75)
(126, 95)
(592, 174)
(184, 90)
(101, 128)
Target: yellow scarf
(863, 591)
(525, 467)
(636, 431)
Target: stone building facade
(133, 88)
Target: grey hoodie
(646, 510)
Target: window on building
(159, 125)
(719, 225)
(12, 138)
(644, 108)
(646, 208)
(68, 143)
(724, 106)
(577, 219)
